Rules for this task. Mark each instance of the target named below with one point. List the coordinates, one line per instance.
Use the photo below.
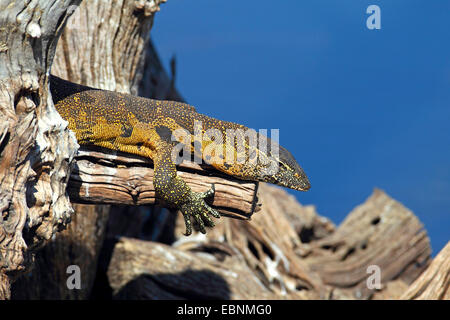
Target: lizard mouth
(296, 180)
(303, 183)
(290, 174)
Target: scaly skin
(144, 127)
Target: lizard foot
(197, 207)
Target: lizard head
(267, 161)
(282, 169)
(258, 158)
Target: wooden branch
(434, 282)
(103, 176)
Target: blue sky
(358, 108)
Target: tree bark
(36, 148)
(107, 56)
(78, 245)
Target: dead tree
(37, 151)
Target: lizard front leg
(177, 194)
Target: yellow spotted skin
(144, 127)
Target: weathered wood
(255, 251)
(116, 178)
(315, 260)
(36, 148)
(148, 270)
(381, 232)
(434, 282)
(391, 290)
(104, 44)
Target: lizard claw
(213, 212)
(208, 193)
(187, 222)
(197, 208)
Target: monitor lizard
(145, 127)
